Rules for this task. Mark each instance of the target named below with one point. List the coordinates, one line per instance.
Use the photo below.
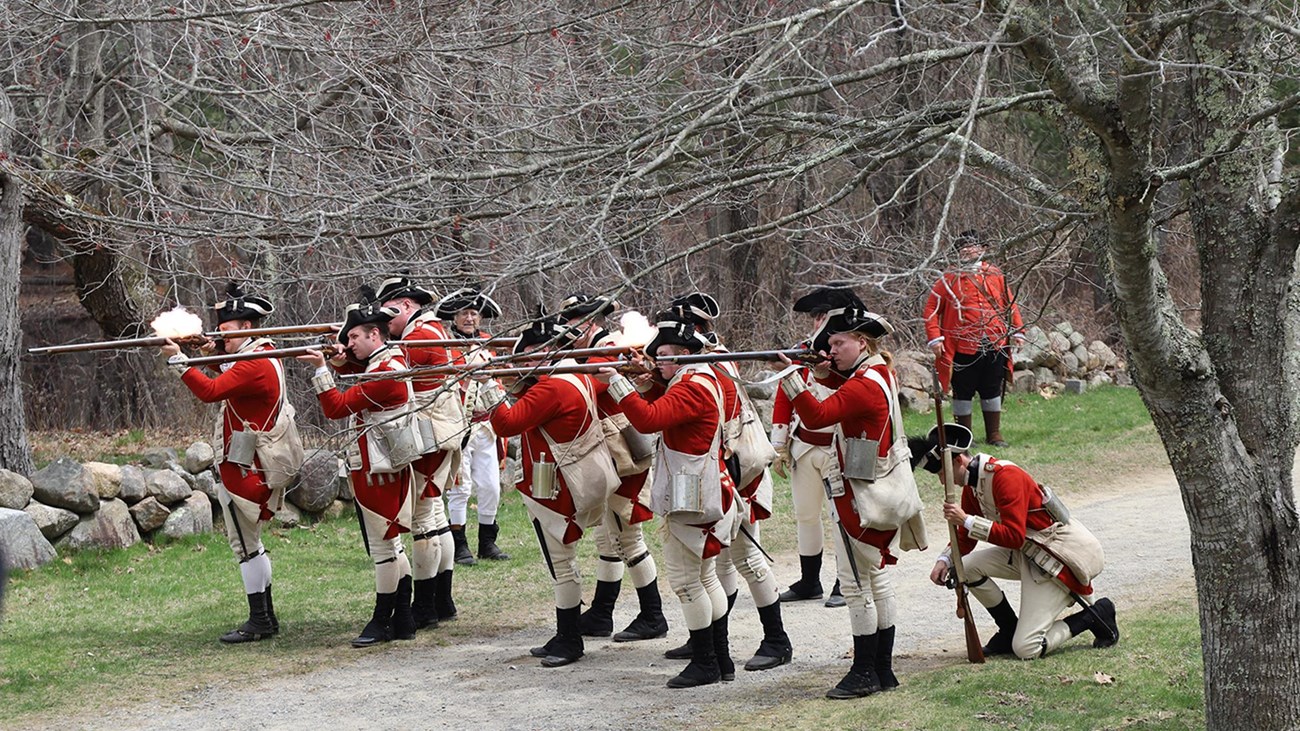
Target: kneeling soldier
(1033, 540)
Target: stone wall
(68, 506)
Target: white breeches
(743, 557)
(1042, 598)
(480, 473)
(620, 542)
(695, 582)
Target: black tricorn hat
(366, 311)
(677, 332)
(583, 305)
(240, 306)
(399, 286)
(969, 237)
(926, 451)
(828, 297)
(468, 298)
(850, 319)
(697, 306)
(554, 330)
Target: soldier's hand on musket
(170, 349)
(953, 513)
(939, 574)
(208, 346)
(338, 355)
(605, 374)
(781, 363)
(314, 357)
(822, 369)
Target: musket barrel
(102, 345)
(458, 343)
(159, 341)
(266, 332)
(252, 355)
(769, 355)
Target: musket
(974, 650)
(540, 369)
(796, 354)
(252, 355)
(614, 350)
(458, 343)
(159, 341)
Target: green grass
(124, 627)
(1155, 679)
(1063, 441)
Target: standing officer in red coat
(971, 318)
(1032, 539)
(252, 397)
(432, 551)
(863, 410)
(619, 540)
(379, 460)
(565, 473)
(690, 487)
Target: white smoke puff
(637, 332)
(177, 323)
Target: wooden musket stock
(974, 649)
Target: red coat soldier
(566, 474)
(253, 402)
(441, 416)
(379, 459)
(690, 487)
(868, 436)
(749, 471)
(620, 543)
(1031, 539)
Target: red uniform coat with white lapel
(251, 390)
(966, 307)
(630, 486)
(1020, 506)
(557, 406)
(427, 327)
(384, 495)
(861, 409)
(687, 415)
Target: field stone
(761, 391)
(913, 375)
(24, 545)
(149, 514)
(192, 517)
(914, 400)
(64, 483)
(1044, 375)
(107, 478)
(181, 472)
(206, 483)
(1103, 353)
(158, 457)
(1077, 339)
(110, 527)
(1024, 382)
(198, 457)
(1100, 378)
(134, 488)
(336, 509)
(1070, 364)
(289, 516)
(1060, 343)
(345, 485)
(1075, 386)
(15, 490)
(318, 483)
(53, 522)
(167, 486)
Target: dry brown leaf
(1102, 678)
(1065, 680)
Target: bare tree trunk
(15, 453)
